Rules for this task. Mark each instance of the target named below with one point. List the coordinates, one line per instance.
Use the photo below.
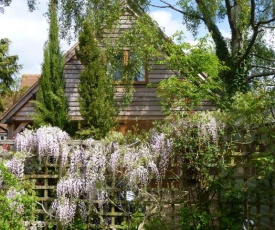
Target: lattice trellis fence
(46, 176)
(260, 208)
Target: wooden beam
(10, 130)
(20, 127)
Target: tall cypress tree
(96, 90)
(51, 104)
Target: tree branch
(264, 74)
(256, 31)
(168, 5)
(268, 27)
(263, 67)
(228, 9)
(261, 23)
(261, 57)
(45, 209)
(252, 14)
(159, 6)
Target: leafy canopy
(249, 50)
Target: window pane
(126, 62)
(139, 72)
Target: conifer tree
(51, 104)
(96, 90)
(8, 68)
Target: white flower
(16, 166)
(138, 176)
(208, 126)
(64, 210)
(25, 141)
(71, 186)
(49, 141)
(14, 197)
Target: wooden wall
(144, 108)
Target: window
(127, 62)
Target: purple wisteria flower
(77, 160)
(139, 176)
(33, 225)
(49, 141)
(64, 210)
(162, 148)
(131, 167)
(71, 186)
(16, 166)
(25, 141)
(102, 198)
(115, 160)
(14, 198)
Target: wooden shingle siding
(145, 104)
(25, 113)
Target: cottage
(144, 109)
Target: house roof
(4, 119)
(28, 80)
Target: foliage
(158, 222)
(134, 222)
(51, 104)
(96, 89)
(8, 68)
(248, 52)
(119, 171)
(14, 94)
(16, 198)
(206, 144)
(4, 3)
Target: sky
(29, 31)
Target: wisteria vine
(90, 167)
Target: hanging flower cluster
(25, 141)
(208, 126)
(14, 198)
(162, 148)
(64, 210)
(91, 167)
(16, 166)
(34, 225)
(70, 187)
(46, 141)
(95, 170)
(50, 141)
